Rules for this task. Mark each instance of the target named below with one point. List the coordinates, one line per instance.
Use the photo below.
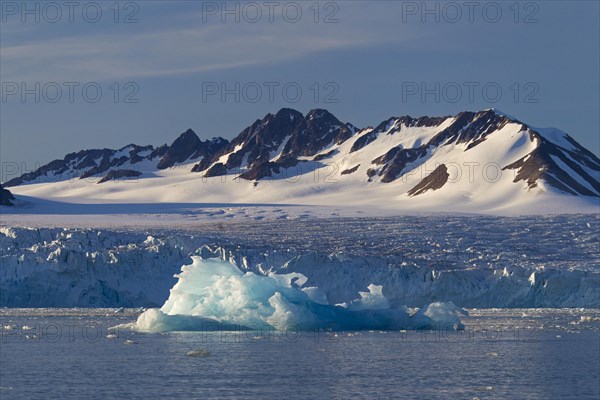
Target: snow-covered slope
(472, 162)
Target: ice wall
(56, 267)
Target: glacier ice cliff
(57, 267)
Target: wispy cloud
(190, 47)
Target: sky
(105, 74)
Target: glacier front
(471, 261)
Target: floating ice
(214, 294)
(198, 353)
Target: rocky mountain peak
(189, 146)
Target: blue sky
(364, 61)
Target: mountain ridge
(417, 156)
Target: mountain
(188, 146)
(6, 197)
(276, 142)
(472, 161)
(126, 162)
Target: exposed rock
(261, 170)
(433, 181)
(87, 163)
(395, 160)
(202, 165)
(323, 156)
(363, 140)
(6, 197)
(117, 174)
(316, 131)
(180, 150)
(350, 170)
(542, 163)
(189, 146)
(371, 172)
(218, 169)
(468, 127)
(287, 134)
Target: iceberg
(214, 294)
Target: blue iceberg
(214, 294)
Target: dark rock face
(363, 141)
(117, 174)
(6, 197)
(180, 150)
(543, 163)
(157, 152)
(314, 132)
(107, 161)
(394, 126)
(395, 160)
(371, 172)
(218, 169)
(472, 129)
(287, 133)
(261, 170)
(201, 166)
(189, 146)
(433, 181)
(254, 143)
(350, 170)
(86, 163)
(323, 156)
(264, 136)
(468, 127)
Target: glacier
(498, 262)
(215, 290)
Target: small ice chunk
(198, 353)
(444, 315)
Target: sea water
(501, 354)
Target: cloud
(144, 50)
